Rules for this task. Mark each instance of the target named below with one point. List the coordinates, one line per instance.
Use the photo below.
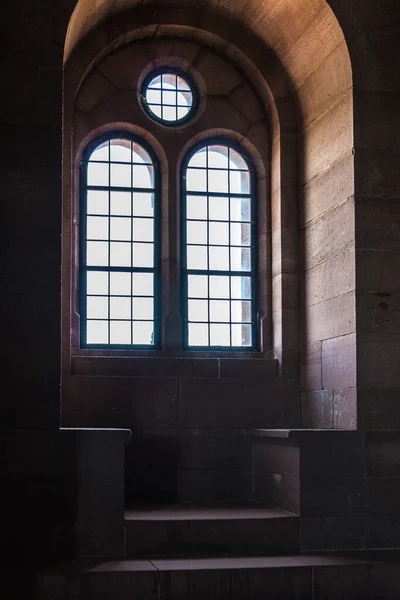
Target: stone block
(332, 278)
(342, 581)
(375, 52)
(252, 368)
(220, 76)
(311, 367)
(345, 408)
(383, 454)
(319, 94)
(376, 172)
(331, 319)
(119, 402)
(276, 458)
(378, 408)
(317, 409)
(324, 497)
(244, 99)
(233, 403)
(377, 223)
(339, 362)
(378, 270)
(378, 316)
(374, 119)
(329, 188)
(382, 532)
(274, 489)
(329, 138)
(383, 494)
(332, 534)
(210, 485)
(151, 366)
(375, 365)
(330, 235)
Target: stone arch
(300, 63)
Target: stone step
(199, 530)
(288, 577)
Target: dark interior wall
(31, 193)
(33, 40)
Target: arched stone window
(219, 249)
(119, 256)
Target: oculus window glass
(168, 97)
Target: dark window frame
(254, 274)
(173, 71)
(83, 268)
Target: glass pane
(197, 257)
(199, 159)
(217, 181)
(219, 208)
(142, 308)
(169, 113)
(120, 284)
(120, 151)
(96, 282)
(219, 258)
(196, 232)
(241, 335)
(97, 228)
(97, 174)
(241, 287)
(120, 332)
(198, 286)
(97, 307)
(219, 286)
(140, 155)
(236, 161)
(156, 109)
(220, 335)
(97, 332)
(143, 230)
(120, 254)
(143, 284)
(142, 255)
(219, 234)
(240, 234)
(198, 334)
(143, 204)
(97, 254)
(97, 202)
(198, 310)
(240, 259)
(218, 156)
(219, 310)
(181, 84)
(241, 312)
(240, 209)
(121, 203)
(143, 176)
(100, 153)
(120, 308)
(120, 175)
(156, 82)
(239, 182)
(153, 96)
(143, 333)
(169, 97)
(120, 228)
(196, 207)
(182, 111)
(196, 180)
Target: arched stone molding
(298, 55)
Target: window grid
(168, 97)
(234, 333)
(135, 308)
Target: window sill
(202, 365)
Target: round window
(168, 97)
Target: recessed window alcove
(268, 100)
